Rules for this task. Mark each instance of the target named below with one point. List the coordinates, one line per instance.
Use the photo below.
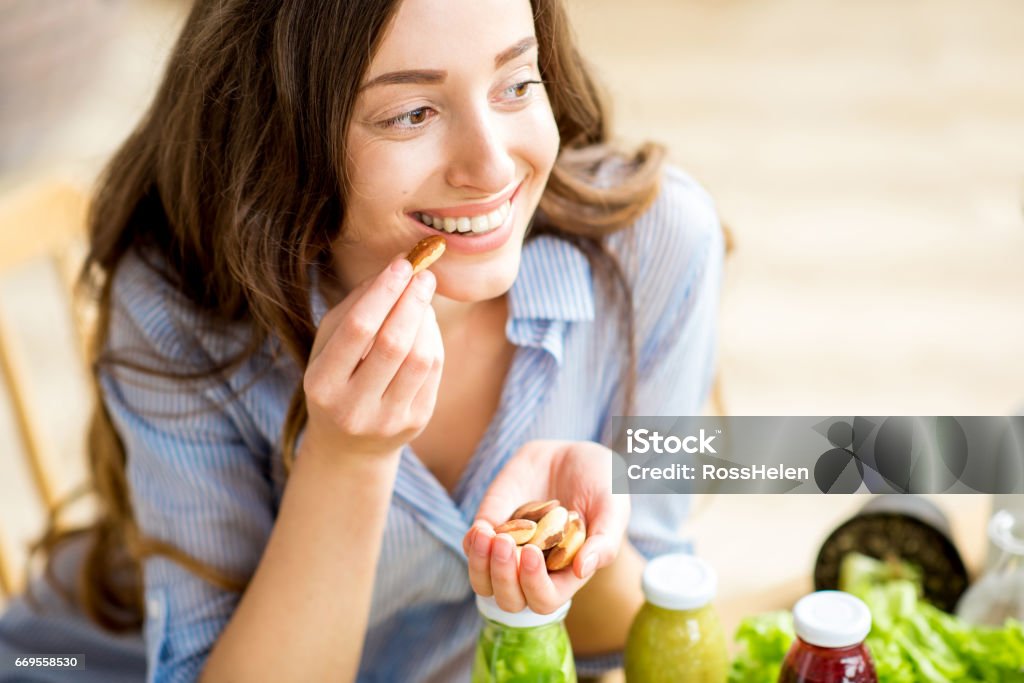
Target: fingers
(416, 381)
(425, 399)
(335, 315)
(597, 551)
(394, 341)
(505, 574)
(478, 552)
(347, 329)
(539, 590)
(519, 578)
(607, 516)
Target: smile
(479, 224)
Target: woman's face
(451, 134)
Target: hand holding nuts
(558, 532)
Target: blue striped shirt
(211, 481)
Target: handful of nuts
(560, 533)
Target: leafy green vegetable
(911, 641)
(764, 640)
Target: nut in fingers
(521, 530)
(550, 529)
(426, 251)
(562, 555)
(535, 509)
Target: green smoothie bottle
(522, 647)
(676, 635)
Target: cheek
(382, 176)
(543, 139)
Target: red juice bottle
(831, 627)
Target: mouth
(466, 225)
(472, 223)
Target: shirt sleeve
(195, 480)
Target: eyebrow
(434, 76)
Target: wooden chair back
(42, 233)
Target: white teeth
(466, 224)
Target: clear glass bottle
(829, 648)
(522, 647)
(999, 594)
(676, 635)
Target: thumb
(599, 550)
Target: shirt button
(153, 607)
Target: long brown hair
(236, 176)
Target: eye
(521, 90)
(410, 119)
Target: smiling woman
(301, 447)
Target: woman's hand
(372, 378)
(579, 474)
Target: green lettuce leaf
(764, 640)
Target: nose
(480, 159)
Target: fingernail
(589, 565)
(530, 561)
(401, 267)
(503, 548)
(481, 543)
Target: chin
(468, 287)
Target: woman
(304, 447)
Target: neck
(455, 317)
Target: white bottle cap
(679, 582)
(831, 619)
(527, 618)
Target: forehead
(445, 34)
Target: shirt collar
(554, 283)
